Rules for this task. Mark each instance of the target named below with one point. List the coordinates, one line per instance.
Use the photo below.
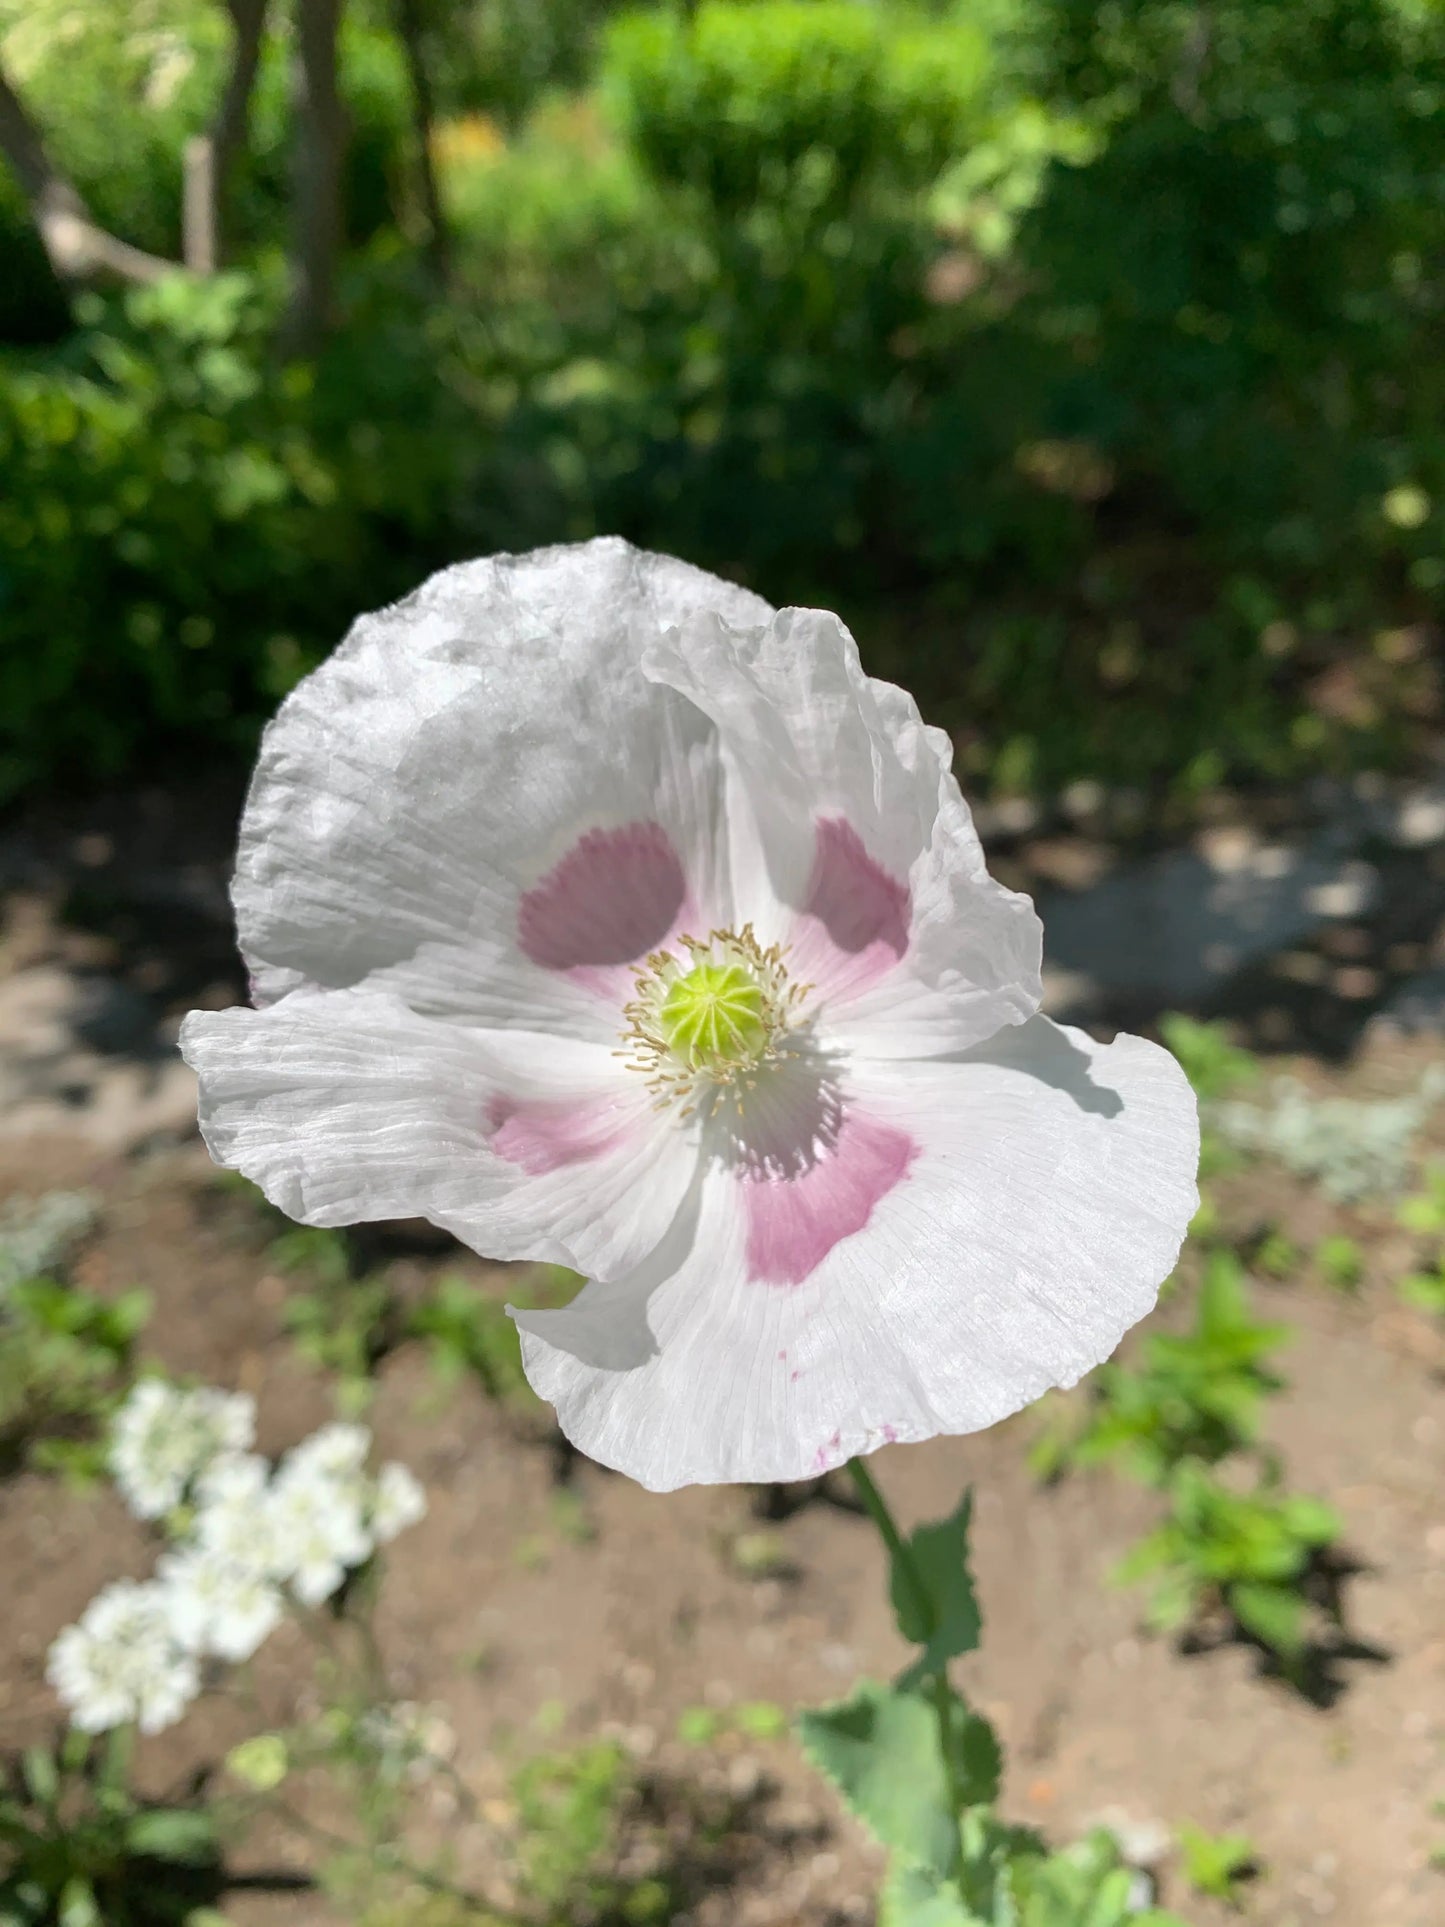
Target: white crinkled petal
(839, 794)
(346, 1107)
(1052, 1188)
(450, 754)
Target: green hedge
(1096, 373)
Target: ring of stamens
(709, 1014)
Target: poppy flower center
(714, 1017)
(710, 1013)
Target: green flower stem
(900, 1554)
(116, 1759)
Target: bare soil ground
(527, 1632)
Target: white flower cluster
(122, 1662)
(249, 1535)
(164, 1438)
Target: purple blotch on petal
(854, 898)
(542, 1137)
(794, 1221)
(611, 899)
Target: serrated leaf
(933, 1595)
(1273, 1614)
(976, 1756)
(880, 1749)
(915, 1896)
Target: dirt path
(501, 1611)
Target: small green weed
(468, 1334)
(1194, 1397)
(1437, 1852)
(760, 1554)
(1248, 1552)
(65, 1358)
(77, 1848)
(752, 1720)
(1208, 1059)
(1340, 1261)
(1425, 1211)
(1087, 1884)
(341, 1324)
(1276, 1255)
(1216, 1864)
(570, 1812)
(1425, 1290)
(1424, 1214)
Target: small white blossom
(399, 1502)
(122, 1661)
(236, 1516)
(163, 1439)
(335, 1451)
(217, 1606)
(320, 1524)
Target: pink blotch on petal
(794, 1222)
(542, 1137)
(610, 900)
(854, 924)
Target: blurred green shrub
(117, 91)
(187, 524)
(788, 146)
(803, 103)
(1087, 357)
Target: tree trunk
(320, 152)
(79, 250)
(423, 105)
(211, 158)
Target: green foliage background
(1086, 357)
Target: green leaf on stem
(881, 1749)
(915, 1896)
(933, 1595)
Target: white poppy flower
(122, 1661)
(602, 916)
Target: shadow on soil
(1320, 1673)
